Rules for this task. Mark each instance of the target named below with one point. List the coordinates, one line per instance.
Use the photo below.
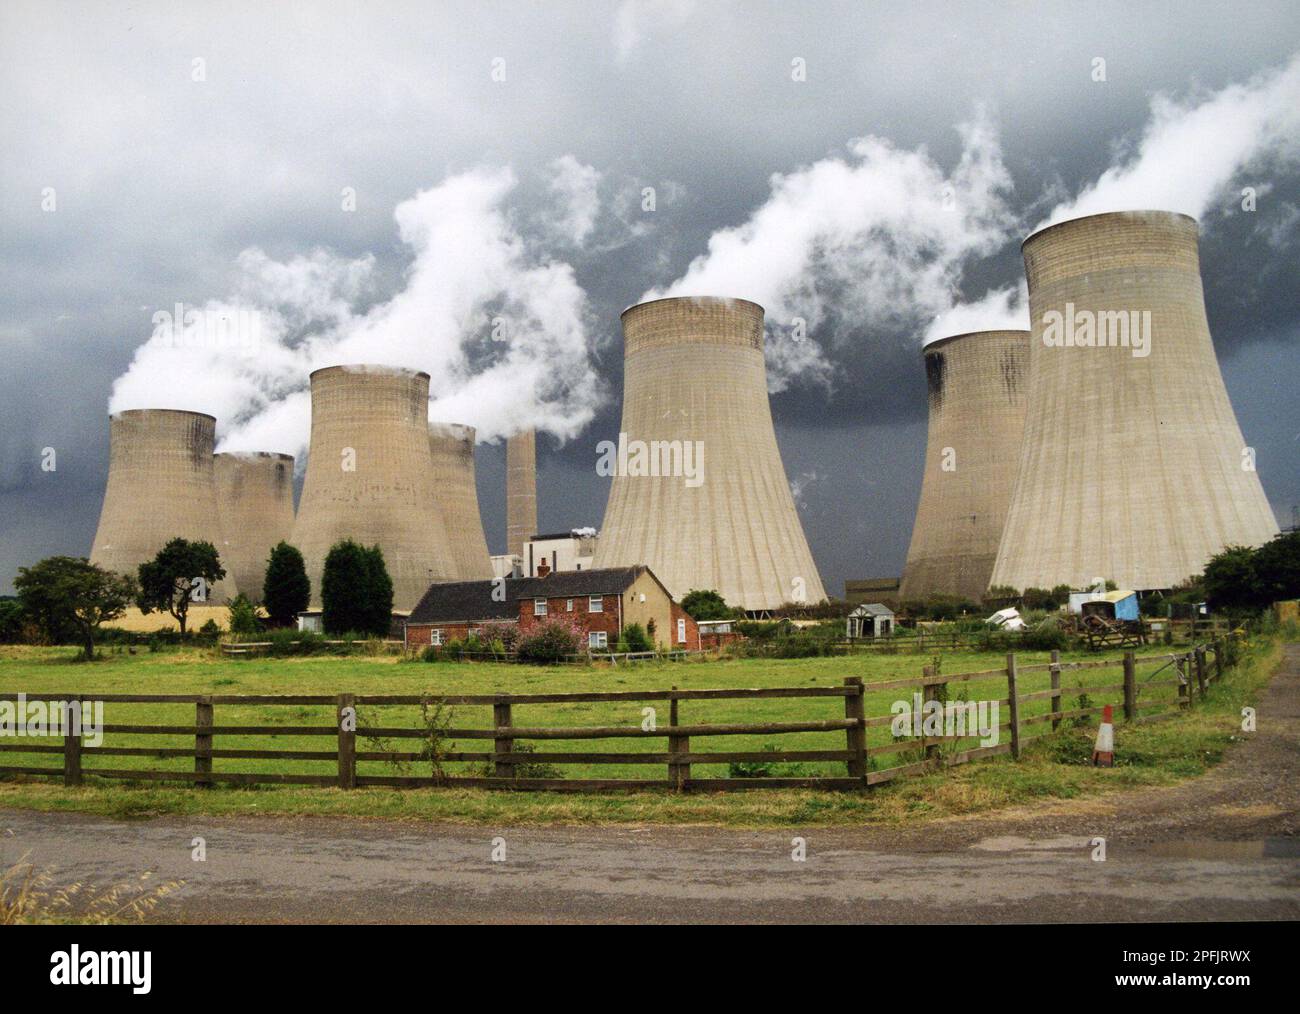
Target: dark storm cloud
(162, 181)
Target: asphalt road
(1222, 847)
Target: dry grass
(29, 896)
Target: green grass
(1053, 765)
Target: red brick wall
(421, 635)
(606, 620)
(692, 630)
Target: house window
(539, 607)
(595, 604)
(681, 631)
(435, 636)
(598, 639)
(568, 605)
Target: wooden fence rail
(506, 765)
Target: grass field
(1053, 765)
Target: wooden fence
(505, 763)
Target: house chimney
(543, 569)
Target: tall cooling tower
(521, 491)
(694, 374)
(161, 486)
(255, 497)
(370, 477)
(452, 447)
(976, 385)
(1133, 466)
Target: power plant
(976, 388)
(452, 448)
(1133, 467)
(370, 477)
(521, 491)
(255, 497)
(161, 486)
(699, 493)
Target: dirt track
(1224, 846)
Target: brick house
(602, 601)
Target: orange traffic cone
(1103, 751)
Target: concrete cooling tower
(976, 385)
(1133, 466)
(370, 477)
(452, 447)
(161, 486)
(698, 492)
(521, 491)
(255, 497)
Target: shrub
(705, 605)
(553, 640)
(243, 617)
(635, 639)
(356, 591)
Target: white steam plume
(1188, 154)
(500, 329)
(1190, 151)
(874, 239)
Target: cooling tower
(161, 487)
(1133, 466)
(370, 477)
(452, 447)
(695, 394)
(255, 497)
(976, 385)
(521, 491)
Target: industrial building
(1132, 467)
(563, 551)
(713, 509)
(255, 500)
(452, 448)
(161, 486)
(976, 386)
(370, 477)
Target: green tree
(356, 591)
(705, 605)
(379, 597)
(1231, 580)
(173, 579)
(1277, 566)
(286, 590)
(243, 616)
(12, 618)
(72, 591)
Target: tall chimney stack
(521, 490)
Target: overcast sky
(383, 183)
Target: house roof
(872, 609)
(473, 600)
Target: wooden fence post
(1218, 658)
(1015, 704)
(1200, 671)
(678, 773)
(1184, 695)
(856, 735)
(929, 692)
(203, 741)
(347, 726)
(1130, 686)
(502, 744)
(72, 742)
(1055, 673)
